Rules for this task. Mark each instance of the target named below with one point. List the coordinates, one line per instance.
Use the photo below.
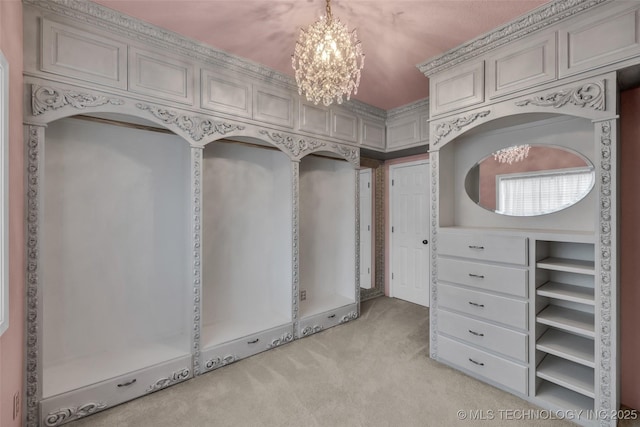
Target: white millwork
(366, 229)
(410, 233)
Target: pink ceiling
(395, 35)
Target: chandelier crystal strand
(327, 61)
(509, 155)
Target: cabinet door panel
(458, 88)
(160, 76)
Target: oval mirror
(529, 180)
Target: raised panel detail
(522, 65)
(225, 94)
(599, 41)
(72, 52)
(403, 133)
(373, 134)
(160, 76)
(456, 89)
(314, 119)
(344, 126)
(272, 107)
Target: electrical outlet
(303, 295)
(16, 405)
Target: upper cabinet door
(459, 87)
(522, 65)
(600, 40)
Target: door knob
(425, 241)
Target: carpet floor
(371, 372)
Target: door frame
(392, 168)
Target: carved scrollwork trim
(44, 98)
(455, 125)
(64, 415)
(351, 154)
(196, 127)
(164, 382)
(218, 362)
(295, 233)
(433, 303)
(196, 236)
(353, 315)
(33, 157)
(296, 147)
(605, 249)
(590, 95)
(285, 338)
(310, 330)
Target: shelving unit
(565, 352)
(247, 223)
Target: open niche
(327, 240)
(115, 256)
(247, 247)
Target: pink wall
(11, 342)
(387, 225)
(630, 247)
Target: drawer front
(509, 311)
(495, 338)
(484, 276)
(494, 368)
(88, 400)
(507, 249)
(224, 354)
(311, 325)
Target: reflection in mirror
(529, 180)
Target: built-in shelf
(567, 319)
(564, 398)
(567, 292)
(568, 265)
(567, 374)
(567, 346)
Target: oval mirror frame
(530, 180)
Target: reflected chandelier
(509, 155)
(327, 60)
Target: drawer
(501, 371)
(88, 400)
(224, 354)
(492, 337)
(508, 280)
(328, 319)
(507, 249)
(505, 310)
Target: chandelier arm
(329, 16)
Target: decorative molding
(196, 236)
(434, 160)
(164, 382)
(542, 17)
(605, 403)
(296, 146)
(349, 153)
(44, 98)
(285, 338)
(295, 234)
(64, 415)
(357, 241)
(218, 362)
(420, 106)
(33, 151)
(310, 330)
(588, 95)
(353, 315)
(455, 125)
(196, 127)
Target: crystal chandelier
(327, 60)
(509, 155)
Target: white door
(366, 215)
(410, 233)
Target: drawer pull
(477, 276)
(331, 317)
(478, 334)
(127, 383)
(476, 363)
(476, 247)
(254, 341)
(475, 304)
